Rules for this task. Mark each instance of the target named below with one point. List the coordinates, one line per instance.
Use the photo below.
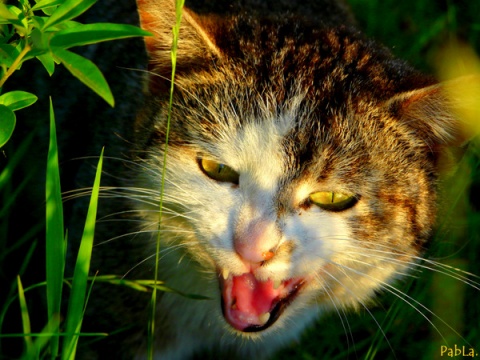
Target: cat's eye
(218, 171)
(333, 201)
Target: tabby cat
(301, 176)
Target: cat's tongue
(249, 304)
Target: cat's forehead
(281, 142)
(266, 66)
(326, 63)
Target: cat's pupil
(221, 168)
(333, 201)
(218, 171)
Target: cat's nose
(257, 241)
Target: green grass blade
(85, 71)
(25, 317)
(9, 189)
(14, 160)
(55, 246)
(12, 197)
(80, 278)
(94, 33)
(21, 271)
(153, 301)
(42, 339)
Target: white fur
(205, 228)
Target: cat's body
(301, 176)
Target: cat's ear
(196, 42)
(445, 114)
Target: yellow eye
(332, 201)
(217, 171)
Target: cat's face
(297, 173)
(286, 216)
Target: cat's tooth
(225, 274)
(264, 318)
(276, 284)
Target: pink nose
(256, 242)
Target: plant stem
(153, 302)
(15, 64)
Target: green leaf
(18, 19)
(39, 23)
(16, 157)
(6, 33)
(94, 33)
(86, 71)
(25, 4)
(8, 54)
(55, 241)
(7, 124)
(16, 100)
(41, 5)
(76, 303)
(39, 40)
(47, 62)
(7, 14)
(68, 10)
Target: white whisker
(364, 306)
(407, 299)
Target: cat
(301, 177)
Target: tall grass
(153, 304)
(43, 31)
(47, 343)
(55, 236)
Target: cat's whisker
(408, 300)
(126, 235)
(419, 264)
(385, 256)
(364, 305)
(341, 314)
(135, 215)
(163, 230)
(77, 193)
(162, 255)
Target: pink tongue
(246, 299)
(253, 296)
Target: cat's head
(302, 163)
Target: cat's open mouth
(251, 305)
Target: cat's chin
(251, 305)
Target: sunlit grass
(55, 234)
(51, 337)
(78, 296)
(153, 303)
